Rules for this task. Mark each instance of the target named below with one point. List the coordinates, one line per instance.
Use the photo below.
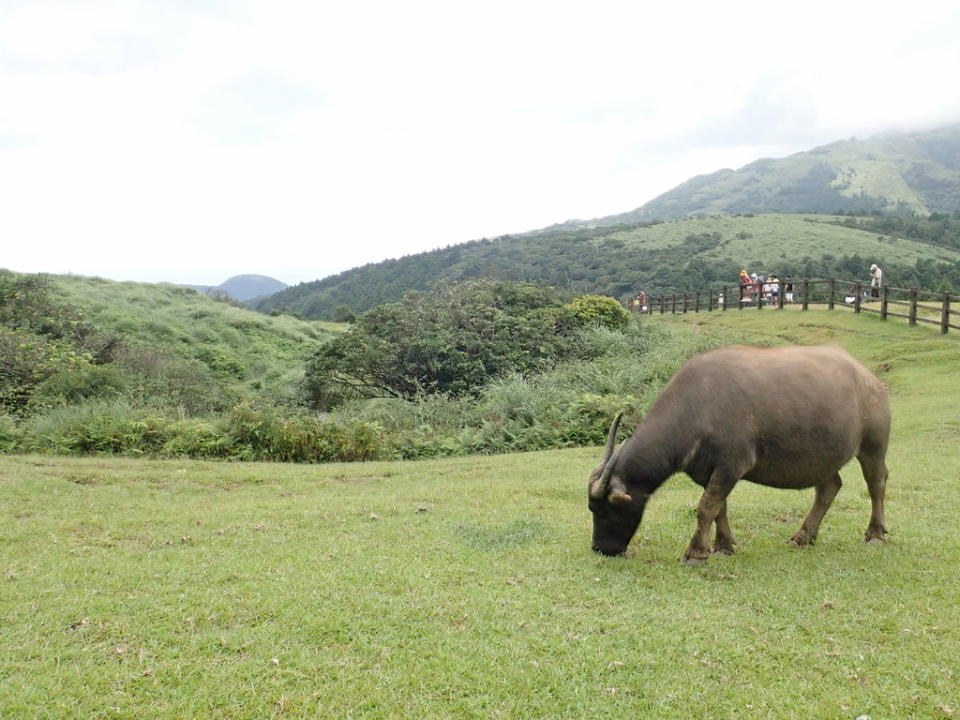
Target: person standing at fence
(876, 280)
(746, 286)
(642, 300)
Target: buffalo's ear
(619, 498)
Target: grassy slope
(775, 238)
(466, 588)
(268, 351)
(914, 172)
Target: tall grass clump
(92, 427)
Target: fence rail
(921, 306)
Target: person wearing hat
(876, 280)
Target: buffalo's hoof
(801, 539)
(875, 535)
(694, 560)
(723, 549)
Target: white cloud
(191, 141)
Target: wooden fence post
(685, 303)
(662, 301)
(709, 300)
(830, 289)
(806, 294)
(740, 297)
(883, 302)
(779, 294)
(945, 314)
(696, 307)
(726, 298)
(856, 297)
(913, 306)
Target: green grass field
(465, 588)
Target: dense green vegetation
(454, 340)
(937, 229)
(480, 367)
(676, 256)
(523, 372)
(465, 587)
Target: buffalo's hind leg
(875, 473)
(825, 493)
(723, 542)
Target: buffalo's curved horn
(598, 487)
(612, 437)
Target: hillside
(67, 340)
(681, 255)
(252, 352)
(892, 173)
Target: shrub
(591, 310)
(171, 381)
(95, 427)
(195, 437)
(265, 434)
(450, 341)
(9, 434)
(76, 384)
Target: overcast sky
(193, 140)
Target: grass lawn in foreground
(466, 587)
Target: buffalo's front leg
(711, 504)
(823, 497)
(723, 541)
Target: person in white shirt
(876, 280)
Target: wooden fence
(916, 306)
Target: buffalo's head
(616, 510)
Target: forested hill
(681, 255)
(893, 173)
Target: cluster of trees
(940, 229)
(453, 340)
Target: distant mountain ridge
(244, 287)
(891, 173)
(772, 214)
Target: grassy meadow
(466, 588)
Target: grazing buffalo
(786, 417)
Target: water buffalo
(786, 417)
